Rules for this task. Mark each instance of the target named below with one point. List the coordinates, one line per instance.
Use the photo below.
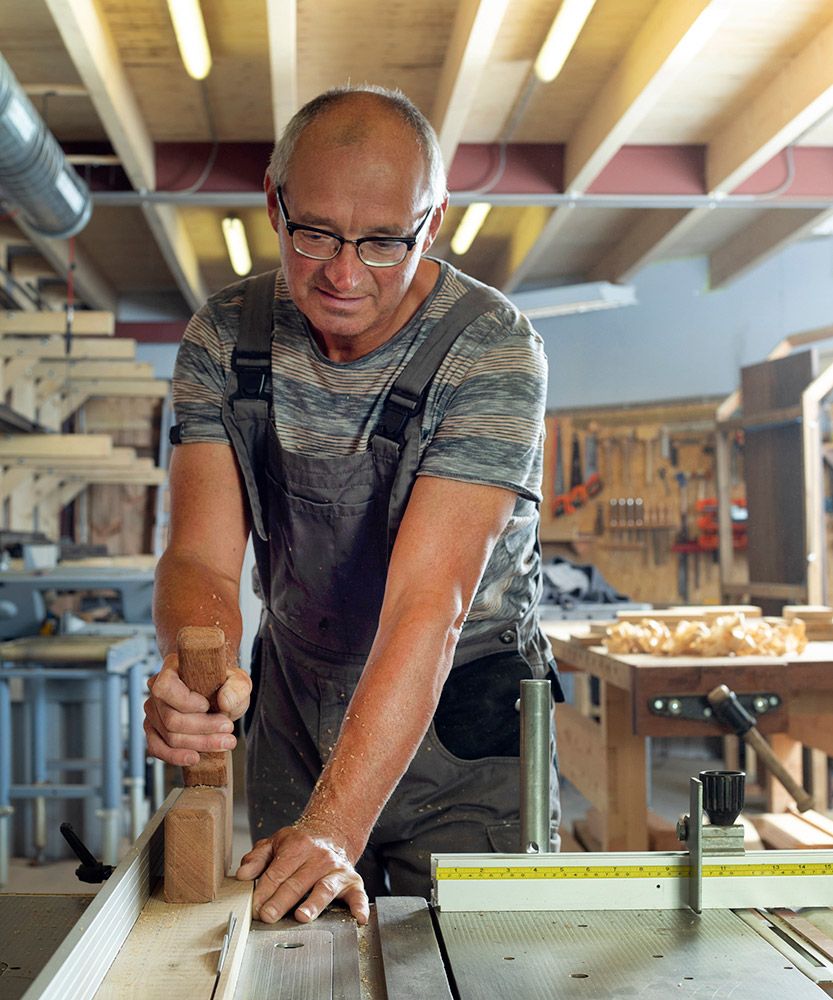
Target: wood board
(171, 953)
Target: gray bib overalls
(323, 530)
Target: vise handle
(734, 716)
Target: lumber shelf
(54, 347)
(90, 323)
(58, 446)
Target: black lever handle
(90, 870)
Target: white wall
(683, 339)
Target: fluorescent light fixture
(237, 245)
(566, 299)
(473, 219)
(561, 38)
(824, 227)
(190, 37)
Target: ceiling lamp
(561, 38)
(237, 245)
(824, 225)
(190, 37)
(473, 219)
(563, 300)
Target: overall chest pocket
(328, 540)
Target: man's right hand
(178, 723)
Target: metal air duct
(34, 173)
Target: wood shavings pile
(729, 635)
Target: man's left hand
(295, 862)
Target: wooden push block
(195, 846)
(198, 825)
(202, 667)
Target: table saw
(713, 921)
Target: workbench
(604, 756)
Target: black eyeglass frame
(409, 241)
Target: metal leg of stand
(136, 749)
(6, 809)
(37, 687)
(91, 751)
(111, 768)
(535, 764)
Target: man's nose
(345, 270)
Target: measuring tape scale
(631, 871)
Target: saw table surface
(32, 925)
(128, 942)
(650, 954)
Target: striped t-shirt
(483, 420)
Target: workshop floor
(674, 762)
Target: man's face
(376, 186)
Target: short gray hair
(395, 100)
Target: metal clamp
(696, 707)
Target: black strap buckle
(399, 407)
(254, 374)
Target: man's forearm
(188, 592)
(387, 718)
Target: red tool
(578, 491)
(561, 503)
(593, 483)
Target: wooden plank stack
(817, 618)
(55, 382)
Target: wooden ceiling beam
(796, 99)
(473, 35)
(514, 249)
(799, 96)
(671, 37)
(761, 239)
(282, 21)
(168, 228)
(654, 232)
(95, 57)
(538, 248)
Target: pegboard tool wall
(632, 498)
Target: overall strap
(251, 360)
(407, 394)
(248, 396)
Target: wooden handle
(202, 667)
(202, 659)
(803, 799)
(731, 713)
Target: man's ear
(435, 223)
(271, 201)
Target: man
(374, 418)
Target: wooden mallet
(198, 825)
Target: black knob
(722, 795)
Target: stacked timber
(61, 386)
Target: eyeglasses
(375, 251)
